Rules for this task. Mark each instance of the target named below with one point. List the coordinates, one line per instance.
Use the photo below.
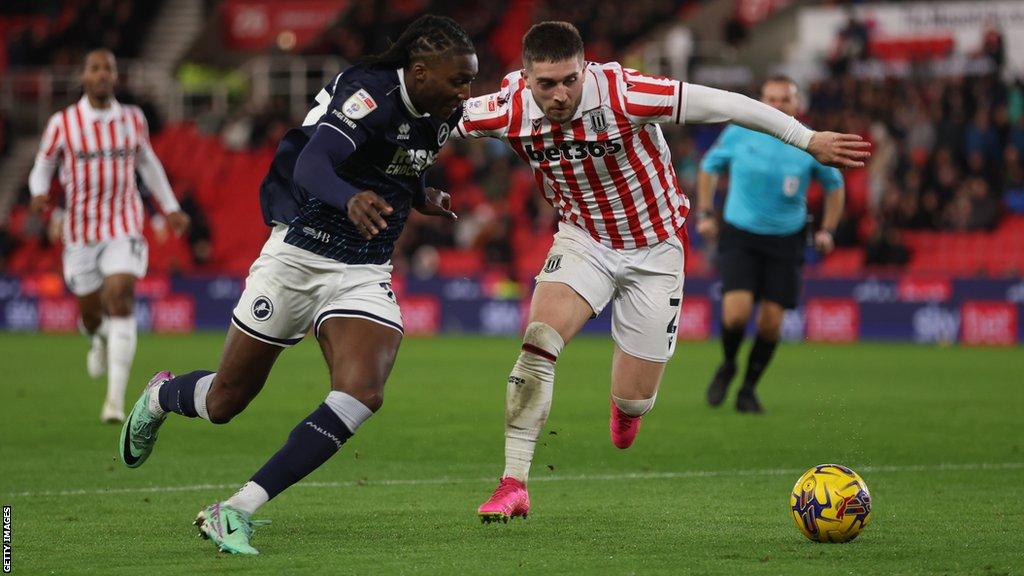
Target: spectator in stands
(5, 134)
(852, 44)
(992, 47)
(884, 248)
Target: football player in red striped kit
(99, 145)
(590, 133)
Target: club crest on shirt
(597, 120)
(442, 134)
(359, 105)
(554, 263)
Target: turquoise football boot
(229, 528)
(138, 435)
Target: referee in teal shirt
(762, 236)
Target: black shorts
(767, 265)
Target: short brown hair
(780, 78)
(551, 41)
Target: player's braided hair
(427, 36)
(552, 42)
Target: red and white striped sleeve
(50, 148)
(487, 115)
(150, 170)
(649, 99)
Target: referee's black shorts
(765, 264)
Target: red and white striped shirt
(98, 152)
(609, 170)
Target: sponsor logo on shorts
(262, 308)
(554, 263)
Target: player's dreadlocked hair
(427, 36)
(551, 42)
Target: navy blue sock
(310, 444)
(179, 394)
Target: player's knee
(368, 388)
(119, 300)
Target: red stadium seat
(455, 263)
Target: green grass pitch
(935, 432)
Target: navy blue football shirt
(387, 147)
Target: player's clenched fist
(367, 211)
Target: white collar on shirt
(99, 114)
(591, 96)
(405, 96)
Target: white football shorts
(646, 284)
(86, 265)
(289, 290)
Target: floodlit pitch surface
(935, 432)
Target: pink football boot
(509, 500)
(623, 427)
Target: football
(831, 503)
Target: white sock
(249, 497)
(528, 397)
(202, 389)
(121, 342)
(350, 411)
(635, 408)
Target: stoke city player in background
(337, 196)
(762, 239)
(590, 132)
(99, 145)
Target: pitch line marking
(555, 478)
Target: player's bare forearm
(834, 201)
(707, 226)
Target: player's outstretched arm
(709, 105)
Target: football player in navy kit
(337, 196)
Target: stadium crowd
(947, 153)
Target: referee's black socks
(731, 340)
(760, 355)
